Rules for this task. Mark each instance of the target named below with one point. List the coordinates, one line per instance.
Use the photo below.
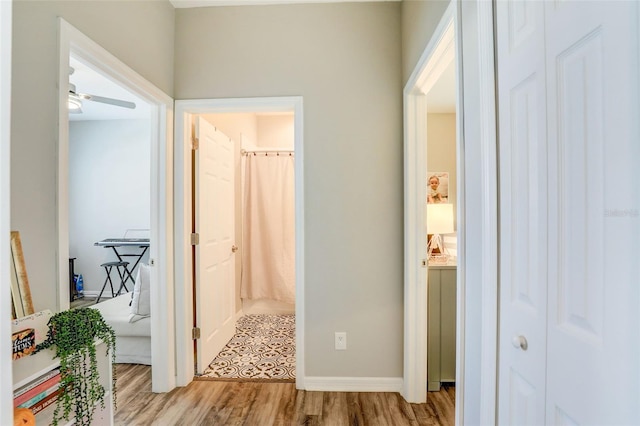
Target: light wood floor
(84, 302)
(264, 404)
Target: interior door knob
(520, 342)
(234, 248)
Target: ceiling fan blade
(110, 101)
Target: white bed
(133, 339)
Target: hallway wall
(350, 79)
(441, 151)
(419, 20)
(34, 114)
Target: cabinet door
(441, 328)
(434, 337)
(448, 325)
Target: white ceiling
(442, 96)
(207, 3)
(91, 82)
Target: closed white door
(523, 212)
(215, 215)
(569, 302)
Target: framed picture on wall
(437, 187)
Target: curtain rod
(266, 151)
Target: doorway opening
(263, 343)
(477, 234)
(109, 185)
(433, 190)
(265, 135)
(154, 134)
(477, 231)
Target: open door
(214, 248)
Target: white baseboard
(93, 294)
(267, 306)
(353, 384)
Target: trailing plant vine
(73, 333)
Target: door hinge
(424, 262)
(195, 239)
(195, 333)
(195, 143)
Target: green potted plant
(73, 333)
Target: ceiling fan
(75, 99)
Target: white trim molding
(469, 25)
(489, 237)
(74, 43)
(354, 384)
(434, 60)
(6, 375)
(182, 185)
(415, 290)
(179, 4)
(477, 322)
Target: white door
(569, 220)
(523, 204)
(215, 270)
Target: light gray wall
(419, 20)
(139, 33)
(441, 150)
(109, 192)
(241, 127)
(276, 131)
(344, 59)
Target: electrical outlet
(341, 341)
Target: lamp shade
(439, 218)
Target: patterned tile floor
(262, 348)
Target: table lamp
(439, 221)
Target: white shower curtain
(268, 254)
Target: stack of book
(39, 393)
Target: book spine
(40, 388)
(45, 402)
(39, 397)
(36, 382)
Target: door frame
(433, 62)
(479, 399)
(183, 211)
(73, 42)
(6, 394)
